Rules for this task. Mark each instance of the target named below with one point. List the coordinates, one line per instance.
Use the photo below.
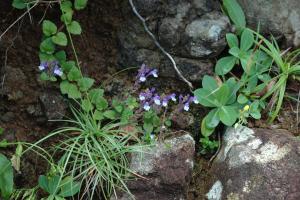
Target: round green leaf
(206, 131)
(235, 13)
(225, 65)
(85, 83)
(247, 40)
(47, 46)
(228, 115)
(73, 92)
(67, 17)
(19, 4)
(242, 99)
(212, 119)
(49, 28)
(66, 6)
(232, 40)
(74, 74)
(60, 38)
(74, 28)
(80, 4)
(6, 177)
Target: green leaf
(110, 114)
(73, 92)
(66, 6)
(235, 51)
(69, 187)
(242, 99)
(74, 28)
(74, 74)
(1, 130)
(60, 39)
(85, 83)
(235, 13)
(101, 104)
(148, 127)
(47, 46)
(80, 4)
(44, 76)
(19, 4)
(6, 177)
(232, 40)
(225, 65)
(168, 123)
(61, 56)
(126, 115)
(49, 28)
(86, 105)
(98, 115)
(209, 83)
(95, 95)
(67, 66)
(228, 115)
(64, 87)
(46, 57)
(212, 119)
(67, 17)
(247, 40)
(206, 131)
(3, 143)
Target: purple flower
(173, 97)
(195, 100)
(156, 100)
(146, 106)
(43, 66)
(186, 106)
(144, 72)
(142, 96)
(57, 71)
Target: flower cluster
(144, 72)
(51, 67)
(185, 101)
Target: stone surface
(191, 31)
(53, 105)
(257, 164)
(167, 168)
(275, 16)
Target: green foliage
(222, 99)
(59, 189)
(208, 145)
(235, 13)
(21, 4)
(6, 177)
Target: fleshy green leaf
(85, 83)
(49, 28)
(60, 38)
(225, 65)
(6, 177)
(74, 28)
(235, 13)
(66, 6)
(232, 40)
(209, 83)
(80, 4)
(228, 115)
(212, 119)
(67, 17)
(206, 131)
(19, 4)
(242, 99)
(247, 40)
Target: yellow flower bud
(246, 108)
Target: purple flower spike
(173, 97)
(146, 106)
(43, 66)
(58, 71)
(144, 72)
(156, 100)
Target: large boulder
(257, 164)
(192, 31)
(274, 16)
(166, 168)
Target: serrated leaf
(64, 87)
(67, 66)
(74, 28)
(61, 56)
(60, 39)
(6, 177)
(80, 4)
(232, 40)
(101, 103)
(225, 65)
(95, 95)
(73, 92)
(98, 115)
(44, 76)
(69, 187)
(85, 83)
(49, 28)
(86, 105)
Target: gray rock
(257, 164)
(167, 168)
(53, 105)
(275, 16)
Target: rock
(53, 105)
(182, 120)
(191, 31)
(274, 16)
(167, 168)
(257, 164)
